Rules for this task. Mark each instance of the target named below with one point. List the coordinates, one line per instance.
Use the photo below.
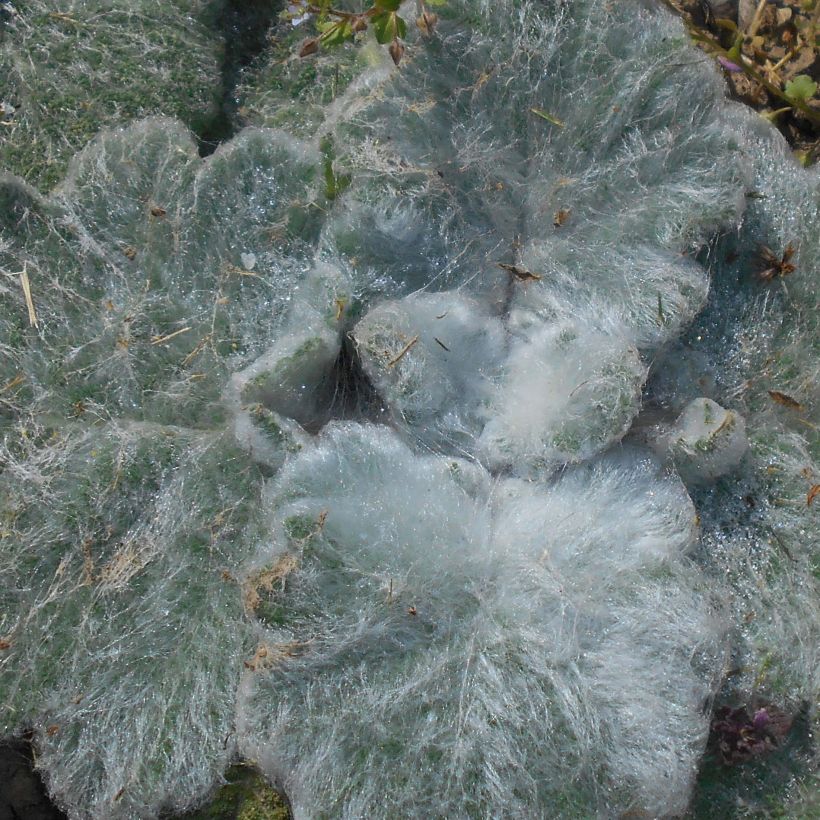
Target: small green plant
(336, 26)
(802, 88)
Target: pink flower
(729, 65)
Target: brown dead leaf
(52, 730)
(561, 217)
(268, 655)
(812, 494)
(158, 211)
(784, 400)
(5, 643)
(309, 46)
(266, 579)
(774, 267)
(519, 273)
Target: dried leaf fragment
(158, 340)
(520, 274)
(427, 22)
(26, 285)
(403, 352)
(266, 579)
(158, 211)
(812, 494)
(545, 115)
(268, 655)
(784, 400)
(10, 385)
(310, 46)
(5, 644)
(561, 217)
(776, 268)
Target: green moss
(299, 527)
(245, 796)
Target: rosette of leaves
(130, 474)
(440, 642)
(554, 211)
(72, 68)
(167, 324)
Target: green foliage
(336, 26)
(335, 184)
(335, 33)
(71, 69)
(801, 88)
(388, 26)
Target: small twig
(793, 53)
(24, 281)
(197, 350)
(342, 15)
(240, 271)
(403, 352)
(757, 19)
(158, 340)
(18, 379)
(728, 419)
(57, 15)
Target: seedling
(336, 26)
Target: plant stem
(757, 19)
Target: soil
(22, 794)
(778, 42)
